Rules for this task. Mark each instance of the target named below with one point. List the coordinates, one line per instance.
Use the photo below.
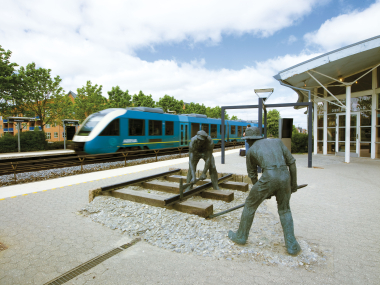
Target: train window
(89, 124)
(240, 131)
(206, 127)
(136, 127)
(214, 131)
(169, 128)
(155, 128)
(112, 129)
(194, 129)
(233, 130)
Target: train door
(184, 134)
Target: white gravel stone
(190, 234)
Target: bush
(29, 141)
(56, 145)
(299, 143)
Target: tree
(169, 103)
(9, 81)
(195, 108)
(39, 95)
(142, 100)
(118, 99)
(273, 117)
(89, 100)
(234, 118)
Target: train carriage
(135, 128)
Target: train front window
(155, 128)
(136, 127)
(112, 129)
(89, 124)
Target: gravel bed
(27, 177)
(190, 234)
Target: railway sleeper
(222, 195)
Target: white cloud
(83, 41)
(292, 39)
(127, 25)
(346, 29)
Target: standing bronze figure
(202, 146)
(274, 159)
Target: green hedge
(56, 145)
(299, 143)
(29, 141)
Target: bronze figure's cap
(252, 133)
(202, 135)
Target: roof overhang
(339, 63)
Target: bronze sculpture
(274, 159)
(201, 146)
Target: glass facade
(320, 147)
(365, 150)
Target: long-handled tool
(184, 186)
(242, 205)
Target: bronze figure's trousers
(273, 181)
(212, 170)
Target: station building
(53, 133)
(345, 90)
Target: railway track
(31, 164)
(167, 183)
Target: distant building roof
(72, 93)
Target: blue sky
(238, 51)
(213, 52)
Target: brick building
(53, 133)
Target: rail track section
(38, 163)
(163, 182)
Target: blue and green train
(138, 128)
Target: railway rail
(31, 164)
(163, 182)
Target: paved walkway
(35, 153)
(338, 211)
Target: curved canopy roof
(336, 64)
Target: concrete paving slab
(337, 211)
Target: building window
(169, 128)
(155, 128)
(47, 126)
(136, 127)
(56, 134)
(1, 126)
(48, 136)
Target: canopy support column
(348, 124)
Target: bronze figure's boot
(242, 233)
(287, 226)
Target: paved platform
(35, 153)
(338, 211)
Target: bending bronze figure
(274, 159)
(201, 146)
